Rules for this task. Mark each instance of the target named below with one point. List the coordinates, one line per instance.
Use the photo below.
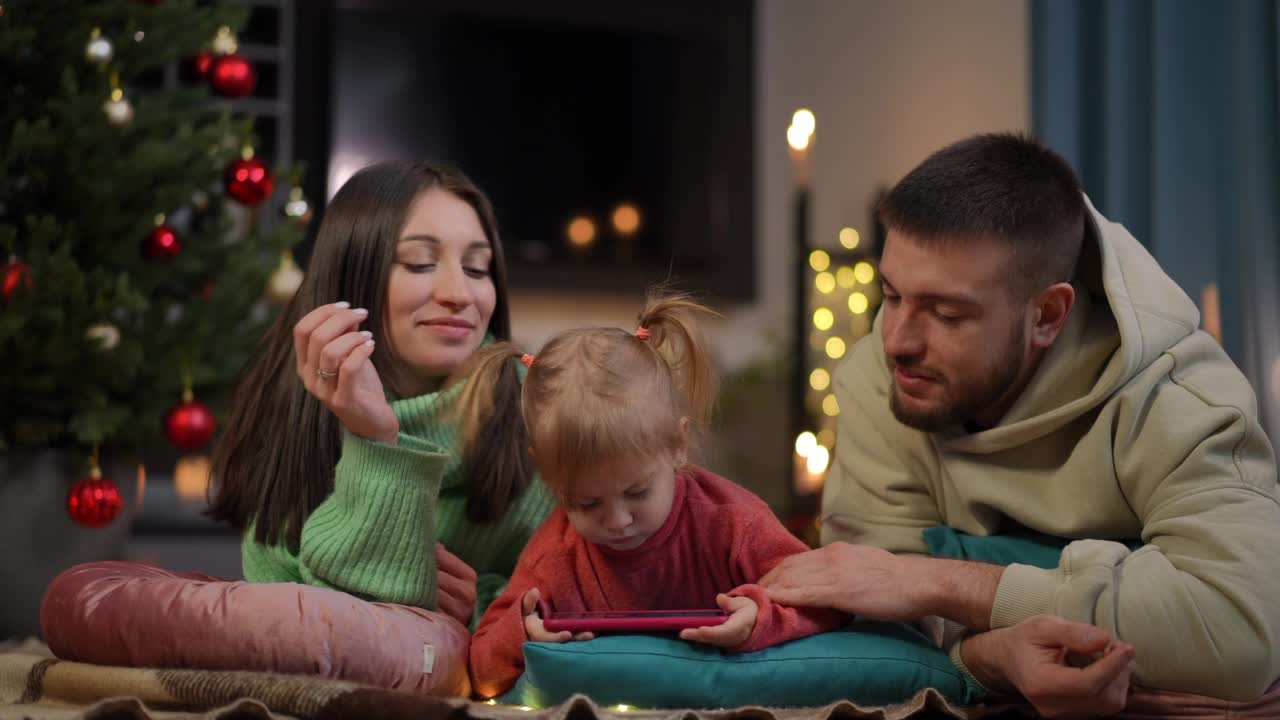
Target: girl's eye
(638, 493)
(419, 267)
(476, 272)
(588, 504)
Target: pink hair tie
(527, 360)
(642, 333)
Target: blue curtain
(1168, 110)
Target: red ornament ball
(249, 181)
(162, 243)
(190, 425)
(232, 76)
(201, 64)
(94, 502)
(14, 273)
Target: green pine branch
(78, 197)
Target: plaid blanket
(35, 685)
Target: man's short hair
(1006, 187)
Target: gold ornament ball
(99, 50)
(119, 111)
(107, 335)
(284, 282)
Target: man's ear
(1052, 307)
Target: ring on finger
(325, 374)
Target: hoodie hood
(1127, 313)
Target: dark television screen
(616, 148)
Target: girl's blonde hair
(598, 394)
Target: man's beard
(970, 397)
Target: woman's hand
(455, 586)
(533, 627)
(333, 363)
(732, 632)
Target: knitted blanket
(35, 685)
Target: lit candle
(815, 470)
(799, 140)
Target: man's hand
(1031, 658)
(873, 583)
(732, 632)
(533, 628)
(455, 586)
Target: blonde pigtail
(671, 322)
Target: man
(1033, 368)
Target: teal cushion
(869, 663)
(1024, 548)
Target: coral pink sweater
(718, 538)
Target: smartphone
(624, 621)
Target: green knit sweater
(375, 535)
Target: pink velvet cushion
(119, 613)
(1146, 704)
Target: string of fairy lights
(843, 295)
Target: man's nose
(902, 337)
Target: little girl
(610, 416)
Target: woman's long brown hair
(274, 462)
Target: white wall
(890, 81)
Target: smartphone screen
(640, 615)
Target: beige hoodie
(1136, 424)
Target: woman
(341, 458)
(341, 487)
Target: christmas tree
(137, 232)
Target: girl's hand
(732, 632)
(333, 363)
(455, 586)
(533, 628)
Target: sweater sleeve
(1201, 476)
(497, 649)
(758, 547)
(267, 563)
(374, 536)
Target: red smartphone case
(631, 621)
